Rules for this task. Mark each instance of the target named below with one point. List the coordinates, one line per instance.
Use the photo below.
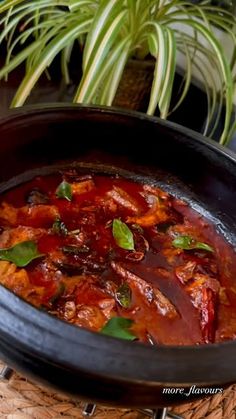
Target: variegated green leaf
(68, 34)
(160, 43)
(102, 47)
(118, 30)
(102, 16)
(225, 69)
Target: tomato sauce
(94, 248)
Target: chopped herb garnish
(21, 254)
(64, 191)
(118, 327)
(122, 235)
(123, 295)
(59, 228)
(189, 243)
(60, 290)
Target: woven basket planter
(22, 399)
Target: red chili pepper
(208, 315)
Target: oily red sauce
(173, 295)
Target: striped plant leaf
(232, 129)
(52, 49)
(14, 3)
(166, 93)
(20, 58)
(102, 16)
(97, 92)
(225, 69)
(163, 43)
(110, 33)
(113, 81)
(74, 5)
(102, 47)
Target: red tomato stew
(118, 257)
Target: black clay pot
(86, 364)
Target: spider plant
(113, 31)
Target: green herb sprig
(59, 227)
(122, 234)
(112, 32)
(189, 243)
(21, 254)
(118, 327)
(64, 190)
(123, 295)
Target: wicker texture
(21, 399)
(219, 406)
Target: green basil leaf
(183, 242)
(59, 228)
(118, 327)
(122, 235)
(189, 243)
(123, 295)
(64, 191)
(204, 246)
(21, 254)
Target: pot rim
(27, 110)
